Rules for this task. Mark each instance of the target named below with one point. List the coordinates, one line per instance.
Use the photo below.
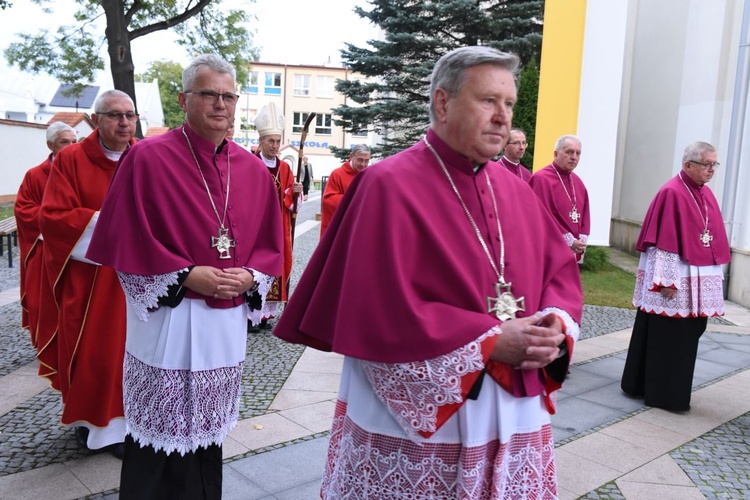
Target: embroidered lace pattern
(362, 465)
(180, 410)
(413, 391)
(572, 328)
(143, 292)
(264, 285)
(569, 239)
(700, 289)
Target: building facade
(298, 90)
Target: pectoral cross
(222, 243)
(574, 215)
(505, 306)
(706, 238)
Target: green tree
(73, 53)
(392, 99)
(169, 76)
(524, 114)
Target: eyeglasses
(517, 143)
(211, 97)
(112, 115)
(708, 165)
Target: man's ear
(440, 101)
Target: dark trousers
(661, 360)
(148, 474)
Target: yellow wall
(559, 76)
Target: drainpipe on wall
(736, 131)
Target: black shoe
(117, 450)
(252, 328)
(265, 325)
(82, 436)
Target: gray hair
(695, 151)
(449, 73)
(561, 140)
(210, 61)
(56, 129)
(99, 103)
(360, 148)
(518, 131)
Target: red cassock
(38, 305)
(283, 179)
(91, 321)
(336, 186)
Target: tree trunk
(120, 54)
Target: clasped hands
(221, 284)
(529, 343)
(578, 246)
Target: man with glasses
(339, 182)
(513, 152)
(679, 283)
(191, 224)
(91, 306)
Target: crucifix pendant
(505, 305)
(222, 243)
(706, 238)
(574, 215)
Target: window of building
(299, 122)
(325, 86)
(323, 124)
(252, 85)
(273, 84)
(302, 85)
(360, 133)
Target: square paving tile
(576, 415)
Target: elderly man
(679, 283)
(36, 297)
(270, 126)
(191, 224)
(513, 152)
(453, 340)
(564, 194)
(91, 321)
(339, 181)
(307, 177)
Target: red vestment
(91, 321)
(283, 179)
(337, 184)
(38, 303)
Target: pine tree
(524, 113)
(393, 97)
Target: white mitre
(270, 120)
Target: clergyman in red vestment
(91, 319)
(39, 312)
(339, 181)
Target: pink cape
(546, 184)
(400, 275)
(157, 218)
(673, 223)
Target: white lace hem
(414, 391)
(143, 292)
(264, 286)
(572, 329)
(180, 410)
(700, 289)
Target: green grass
(608, 286)
(6, 210)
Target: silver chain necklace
(705, 236)
(574, 215)
(222, 243)
(505, 305)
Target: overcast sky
(288, 31)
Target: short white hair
(56, 129)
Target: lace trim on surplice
(180, 410)
(143, 292)
(414, 391)
(265, 282)
(364, 465)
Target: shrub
(595, 259)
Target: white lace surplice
(183, 366)
(497, 446)
(700, 290)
